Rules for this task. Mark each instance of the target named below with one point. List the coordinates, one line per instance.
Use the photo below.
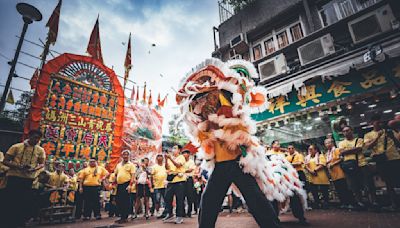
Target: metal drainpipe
(311, 25)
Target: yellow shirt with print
(58, 180)
(336, 171)
(391, 152)
(296, 158)
(321, 178)
(190, 165)
(174, 170)
(350, 144)
(25, 154)
(124, 172)
(88, 177)
(73, 183)
(159, 176)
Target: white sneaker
(179, 220)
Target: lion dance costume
(216, 100)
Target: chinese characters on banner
(318, 91)
(78, 121)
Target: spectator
(124, 178)
(176, 185)
(159, 174)
(144, 184)
(189, 186)
(337, 174)
(78, 194)
(91, 181)
(23, 160)
(315, 165)
(355, 167)
(58, 179)
(386, 155)
(276, 149)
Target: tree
(237, 4)
(176, 132)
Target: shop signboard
(320, 91)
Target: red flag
(158, 98)
(133, 93)
(34, 79)
(128, 61)
(144, 94)
(137, 95)
(94, 47)
(150, 99)
(52, 24)
(162, 103)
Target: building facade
(319, 60)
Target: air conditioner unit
(316, 49)
(272, 67)
(372, 24)
(237, 40)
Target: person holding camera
(384, 152)
(24, 160)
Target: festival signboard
(78, 105)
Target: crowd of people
(174, 179)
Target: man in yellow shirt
(159, 174)
(384, 152)
(23, 160)
(355, 167)
(176, 184)
(90, 185)
(315, 165)
(333, 160)
(276, 149)
(125, 178)
(189, 186)
(58, 179)
(78, 194)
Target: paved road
(318, 218)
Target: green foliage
(237, 4)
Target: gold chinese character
(81, 122)
(372, 79)
(51, 115)
(99, 125)
(91, 124)
(108, 127)
(310, 95)
(62, 117)
(277, 104)
(339, 88)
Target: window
(296, 32)
(283, 40)
(336, 10)
(257, 52)
(269, 46)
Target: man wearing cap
(176, 184)
(125, 178)
(91, 181)
(23, 160)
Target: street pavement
(317, 218)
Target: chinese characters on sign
(78, 120)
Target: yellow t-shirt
(296, 158)
(124, 172)
(224, 154)
(321, 178)
(159, 176)
(58, 180)
(335, 171)
(73, 183)
(86, 175)
(190, 165)
(349, 144)
(279, 152)
(174, 170)
(25, 154)
(391, 152)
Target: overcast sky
(181, 30)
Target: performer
(216, 100)
(125, 178)
(23, 160)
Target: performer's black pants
(18, 201)
(132, 200)
(344, 193)
(78, 204)
(123, 200)
(320, 188)
(92, 201)
(177, 189)
(223, 175)
(189, 194)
